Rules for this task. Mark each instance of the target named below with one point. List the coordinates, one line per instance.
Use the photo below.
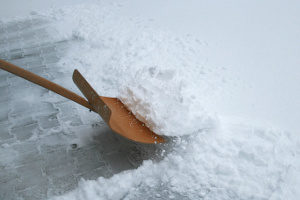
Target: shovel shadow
(111, 153)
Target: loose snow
(159, 76)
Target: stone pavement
(38, 157)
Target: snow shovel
(112, 110)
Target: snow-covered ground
(219, 79)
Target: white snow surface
(237, 162)
(160, 77)
(167, 81)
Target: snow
(152, 72)
(172, 82)
(237, 162)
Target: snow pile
(158, 90)
(237, 162)
(165, 81)
(160, 77)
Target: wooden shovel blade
(115, 114)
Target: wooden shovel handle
(93, 98)
(44, 83)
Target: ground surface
(37, 159)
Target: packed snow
(167, 81)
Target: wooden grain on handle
(44, 83)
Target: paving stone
(48, 121)
(102, 171)
(24, 132)
(39, 70)
(25, 148)
(5, 74)
(3, 42)
(48, 49)
(68, 113)
(5, 137)
(4, 112)
(32, 97)
(9, 141)
(29, 157)
(4, 132)
(32, 51)
(118, 162)
(59, 159)
(66, 183)
(22, 109)
(8, 155)
(51, 59)
(7, 176)
(29, 60)
(7, 190)
(30, 175)
(23, 121)
(3, 53)
(53, 137)
(34, 193)
(87, 159)
(55, 75)
(3, 81)
(14, 43)
(2, 34)
(51, 149)
(29, 41)
(17, 82)
(57, 172)
(4, 94)
(16, 54)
